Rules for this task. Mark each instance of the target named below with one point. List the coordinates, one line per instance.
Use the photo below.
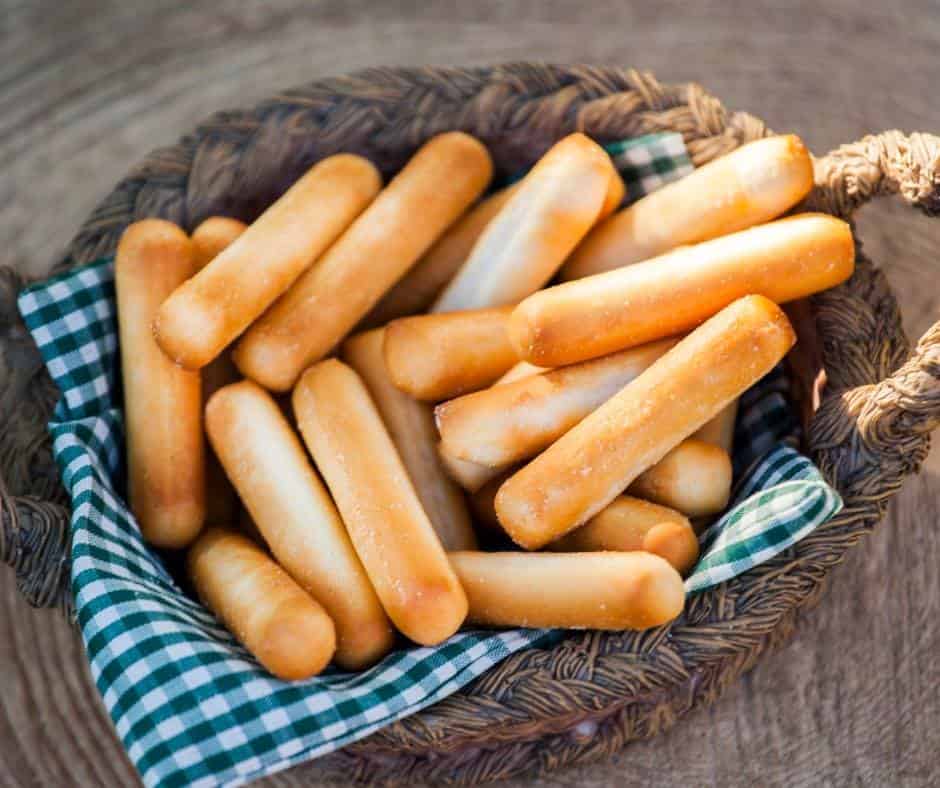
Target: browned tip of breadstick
(213, 235)
(694, 478)
(284, 627)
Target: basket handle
(887, 423)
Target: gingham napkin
(190, 705)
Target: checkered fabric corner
(190, 705)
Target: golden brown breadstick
(591, 317)
(213, 236)
(594, 462)
(521, 370)
(720, 430)
(435, 357)
(209, 239)
(694, 477)
(571, 590)
(445, 176)
(469, 475)
(410, 424)
(162, 402)
(552, 210)
(208, 312)
(512, 421)
(268, 466)
(384, 518)
(285, 628)
(630, 524)
(754, 184)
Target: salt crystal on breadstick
(752, 185)
(287, 630)
(720, 430)
(162, 401)
(435, 357)
(444, 177)
(389, 528)
(512, 421)
(212, 309)
(668, 295)
(629, 524)
(267, 464)
(525, 243)
(595, 461)
(410, 425)
(570, 590)
(210, 239)
(694, 477)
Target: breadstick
(384, 518)
(445, 176)
(521, 370)
(209, 239)
(512, 421)
(269, 467)
(208, 312)
(591, 317)
(571, 590)
(630, 524)
(162, 402)
(410, 424)
(213, 236)
(469, 475)
(285, 628)
(754, 184)
(720, 430)
(435, 357)
(594, 462)
(694, 477)
(552, 210)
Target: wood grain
(87, 87)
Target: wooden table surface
(88, 86)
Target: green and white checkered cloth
(189, 703)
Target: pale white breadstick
(752, 185)
(783, 260)
(445, 176)
(629, 524)
(384, 518)
(570, 590)
(162, 402)
(469, 475)
(525, 243)
(513, 421)
(410, 424)
(594, 462)
(720, 430)
(521, 370)
(209, 311)
(209, 239)
(694, 477)
(266, 462)
(285, 628)
(435, 357)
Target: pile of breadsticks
(589, 420)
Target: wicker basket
(588, 696)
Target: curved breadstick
(390, 530)
(266, 462)
(784, 260)
(754, 184)
(630, 524)
(435, 357)
(594, 462)
(720, 430)
(445, 176)
(208, 312)
(694, 478)
(410, 425)
(469, 475)
(571, 590)
(209, 239)
(285, 628)
(552, 210)
(513, 421)
(162, 402)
